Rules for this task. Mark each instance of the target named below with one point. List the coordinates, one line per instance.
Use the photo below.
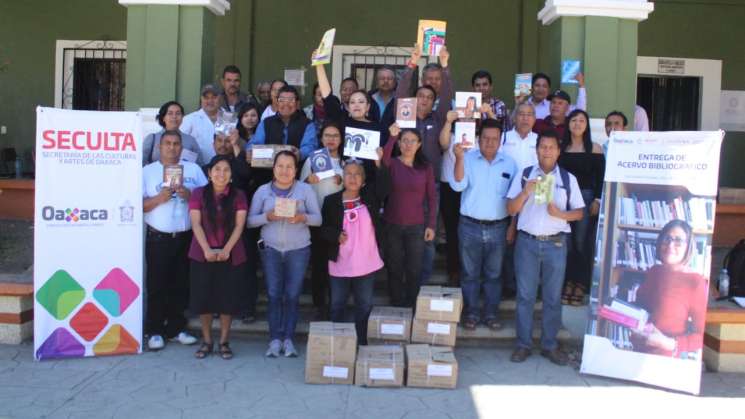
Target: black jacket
(372, 196)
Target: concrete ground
(173, 384)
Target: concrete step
(482, 334)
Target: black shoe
(555, 356)
(520, 355)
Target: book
(465, 134)
(225, 122)
(173, 175)
(467, 104)
(262, 155)
(406, 112)
(544, 189)
(523, 84)
(624, 314)
(696, 211)
(285, 207)
(323, 53)
(431, 36)
(361, 143)
(321, 164)
(569, 70)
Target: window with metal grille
(361, 63)
(93, 75)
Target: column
(170, 50)
(603, 35)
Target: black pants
(319, 268)
(167, 283)
(404, 248)
(450, 210)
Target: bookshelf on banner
(653, 258)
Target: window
(90, 75)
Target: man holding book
(546, 198)
(483, 176)
(167, 186)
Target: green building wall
(263, 37)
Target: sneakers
(274, 348)
(184, 339)
(555, 356)
(289, 349)
(156, 343)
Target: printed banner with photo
(87, 234)
(653, 258)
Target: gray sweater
(281, 235)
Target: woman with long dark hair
(284, 208)
(675, 297)
(412, 186)
(585, 160)
(217, 253)
(248, 120)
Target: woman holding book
(350, 230)
(674, 296)
(412, 185)
(217, 253)
(585, 160)
(331, 138)
(284, 208)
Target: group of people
(209, 234)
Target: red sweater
(671, 298)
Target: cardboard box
(332, 350)
(434, 332)
(389, 324)
(439, 303)
(431, 366)
(380, 366)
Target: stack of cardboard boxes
(437, 315)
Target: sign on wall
(87, 234)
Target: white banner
(653, 258)
(87, 234)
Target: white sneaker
(184, 339)
(156, 342)
(289, 349)
(274, 347)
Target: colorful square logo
(60, 294)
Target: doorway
(672, 103)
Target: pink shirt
(358, 256)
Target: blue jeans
(539, 263)
(362, 287)
(481, 254)
(284, 273)
(582, 245)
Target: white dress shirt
(534, 219)
(173, 216)
(522, 150)
(200, 126)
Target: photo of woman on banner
(674, 296)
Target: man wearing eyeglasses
(289, 126)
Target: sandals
(578, 296)
(494, 324)
(225, 351)
(204, 350)
(568, 293)
(469, 324)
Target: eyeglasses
(286, 100)
(677, 241)
(331, 136)
(409, 141)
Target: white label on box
(382, 374)
(335, 372)
(441, 305)
(438, 328)
(392, 329)
(262, 153)
(434, 370)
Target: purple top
(410, 187)
(217, 237)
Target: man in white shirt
(541, 87)
(520, 142)
(167, 243)
(201, 124)
(541, 245)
